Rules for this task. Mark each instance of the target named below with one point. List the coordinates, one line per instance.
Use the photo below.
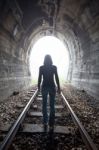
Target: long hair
(48, 60)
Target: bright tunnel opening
(58, 51)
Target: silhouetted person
(47, 74)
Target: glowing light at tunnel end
(54, 47)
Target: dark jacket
(48, 73)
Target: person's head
(48, 60)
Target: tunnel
(74, 22)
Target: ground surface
(86, 108)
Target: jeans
(52, 93)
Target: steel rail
(11, 134)
(85, 136)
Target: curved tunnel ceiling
(75, 22)
(55, 20)
(63, 19)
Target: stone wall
(86, 70)
(14, 71)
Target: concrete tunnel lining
(59, 35)
(76, 23)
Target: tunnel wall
(14, 72)
(86, 66)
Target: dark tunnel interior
(74, 22)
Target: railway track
(68, 127)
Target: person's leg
(44, 105)
(52, 93)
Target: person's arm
(39, 78)
(57, 80)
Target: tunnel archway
(59, 53)
(74, 22)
